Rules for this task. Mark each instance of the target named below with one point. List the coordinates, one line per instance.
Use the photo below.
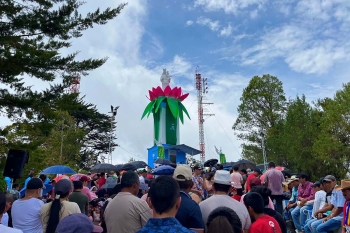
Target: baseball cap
(35, 183)
(84, 178)
(63, 186)
(222, 177)
(329, 178)
(77, 223)
(316, 184)
(321, 180)
(32, 169)
(182, 170)
(197, 167)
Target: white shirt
(5, 229)
(5, 219)
(320, 201)
(26, 215)
(142, 179)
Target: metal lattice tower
(202, 89)
(75, 86)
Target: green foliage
(263, 104)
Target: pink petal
(159, 92)
(173, 92)
(151, 95)
(167, 91)
(179, 93)
(183, 97)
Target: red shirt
(236, 197)
(265, 224)
(101, 182)
(251, 176)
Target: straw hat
(345, 184)
(290, 180)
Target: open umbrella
(58, 169)
(228, 164)
(162, 161)
(244, 164)
(103, 167)
(119, 167)
(77, 177)
(128, 167)
(139, 164)
(164, 170)
(210, 162)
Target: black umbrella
(228, 164)
(128, 167)
(103, 167)
(139, 164)
(119, 167)
(163, 161)
(244, 164)
(210, 162)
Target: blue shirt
(164, 225)
(294, 195)
(338, 201)
(189, 213)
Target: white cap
(183, 170)
(222, 177)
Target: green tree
(263, 104)
(32, 33)
(333, 145)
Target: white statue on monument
(165, 78)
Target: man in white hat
(222, 187)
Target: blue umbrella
(46, 190)
(164, 170)
(58, 169)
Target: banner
(161, 154)
(222, 158)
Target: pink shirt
(237, 179)
(86, 191)
(274, 179)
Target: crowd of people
(189, 200)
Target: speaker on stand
(15, 161)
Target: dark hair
(129, 179)
(303, 176)
(42, 177)
(15, 186)
(54, 212)
(272, 164)
(102, 173)
(264, 192)
(2, 202)
(224, 220)
(257, 170)
(117, 173)
(210, 175)
(255, 201)
(220, 166)
(244, 171)
(235, 168)
(184, 184)
(77, 184)
(221, 187)
(164, 193)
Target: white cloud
(229, 6)
(213, 25)
(253, 14)
(189, 22)
(226, 31)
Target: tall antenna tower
(202, 89)
(75, 86)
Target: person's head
(255, 182)
(62, 190)
(222, 182)
(2, 203)
(130, 182)
(256, 172)
(264, 192)
(77, 223)
(254, 203)
(317, 186)
(78, 185)
(223, 220)
(197, 169)
(84, 180)
(345, 188)
(103, 175)
(34, 187)
(243, 172)
(144, 173)
(31, 171)
(183, 175)
(329, 182)
(211, 176)
(10, 198)
(272, 165)
(15, 186)
(42, 177)
(235, 169)
(303, 178)
(164, 196)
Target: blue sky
(305, 43)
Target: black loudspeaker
(15, 163)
